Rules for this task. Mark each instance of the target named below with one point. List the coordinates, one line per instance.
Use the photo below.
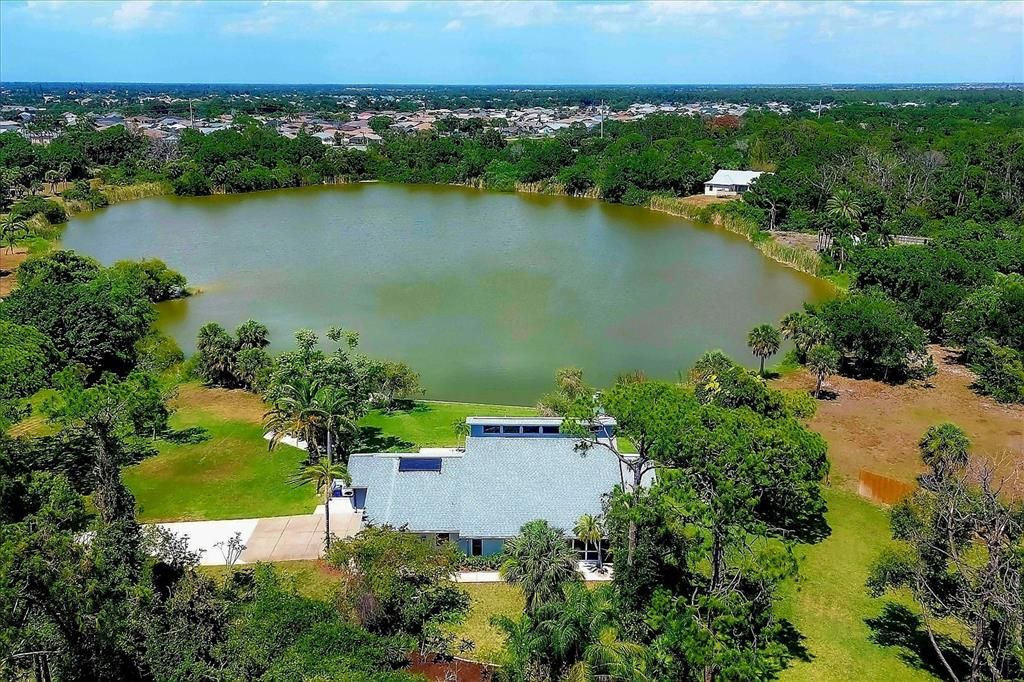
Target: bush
(27, 207)
(158, 352)
(192, 183)
(158, 281)
(83, 193)
(27, 358)
(1000, 372)
(482, 563)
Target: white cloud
(453, 25)
(131, 14)
(252, 25)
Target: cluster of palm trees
(306, 409)
(567, 631)
(809, 335)
(58, 175)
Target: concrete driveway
(277, 538)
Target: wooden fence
(882, 489)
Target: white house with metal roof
(730, 182)
(512, 470)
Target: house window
(443, 538)
(492, 428)
(549, 429)
(510, 429)
(531, 429)
(419, 464)
(476, 547)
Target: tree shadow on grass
(373, 439)
(898, 626)
(187, 436)
(793, 640)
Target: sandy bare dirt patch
(230, 405)
(9, 262)
(875, 426)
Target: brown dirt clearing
(705, 199)
(227, 404)
(9, 262)
(875, 426)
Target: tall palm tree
(335, 413)
(64, 171)
(295, 412)
(540, 561)
(804, 330)
(322, 474)
(843, 204)
(252, 334)
(52, 177)
(823, 361)
(764, 341)
(589, 529)
(523, 645)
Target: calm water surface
(484, 294)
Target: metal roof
(734, 177)
(492, 490)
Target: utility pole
(602, 119)
(819, 108)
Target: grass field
(232, 475)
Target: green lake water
(484, 294)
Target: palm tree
(804, 330)
(541, 561)
(252, 334)
(843, 204)
(945, 448)
(589, 529)
(763, 341)
(295, 412)
(823, 361)
(581, 633)
(335, 413)
(52, 177)
(64, 171)
(523, 645)
(12, 228)
(462, 431)
(322, 474)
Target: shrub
(83, 193)
(158, 352)
(1000, 372)
(27, 207)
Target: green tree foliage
(958, 554)
(27, 360)
(875, 336)
(94, 316)
(396, 583)
(541, 561)
(159, 282)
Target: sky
(526, 42)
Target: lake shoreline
(792, 257)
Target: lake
(485, 294)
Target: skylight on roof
(419, 464)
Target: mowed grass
(431, 424)
(229, 476)
(313, 579)
(829, 604)
(486, 601)
(232, 475)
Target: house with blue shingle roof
(512, 470)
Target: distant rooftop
(734, 177)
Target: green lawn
(429, 424)
(488, 600)
(232, 475)
(314, 579)
(829, 604)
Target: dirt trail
(875, 426)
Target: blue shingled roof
(491, 489)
